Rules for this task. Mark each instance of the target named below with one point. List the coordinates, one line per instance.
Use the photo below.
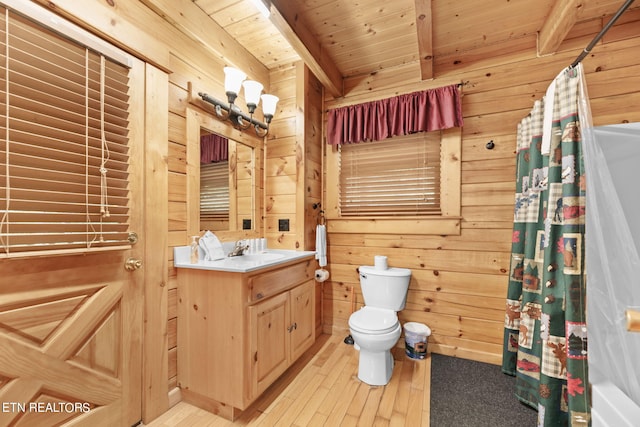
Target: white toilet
(375, 328)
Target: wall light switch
(246, 224)
(283, 225)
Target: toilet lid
(374, 320)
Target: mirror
(226, 183)
(244, 171)
(215, 181)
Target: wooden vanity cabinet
(282, 328)
(238, 332)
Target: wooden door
(71, 325)
(69, 341)
(269, 347)
(302, 318)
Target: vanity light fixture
(234, 79)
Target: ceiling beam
(193, 21)
(560, 20)
(424, 26)
(287, 21)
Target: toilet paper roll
(321, 275)
(380, 262)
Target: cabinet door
(302, 318)
(269, 323)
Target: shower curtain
(545, 339)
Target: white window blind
(63, 143)
(398, 176)
(214, 191)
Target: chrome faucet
(239, 248)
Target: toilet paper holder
(321, 275)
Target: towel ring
(321, 219)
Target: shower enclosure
(612, 159)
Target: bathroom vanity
(242, 322)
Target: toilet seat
(371, 320)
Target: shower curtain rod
(597, 38)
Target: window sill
(437, 225)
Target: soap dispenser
(194, 250)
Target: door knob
(132, 264)
(633, 320)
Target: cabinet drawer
(273, 282)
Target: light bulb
(269, 106)
(252, 91)
(233, 79)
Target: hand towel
(212, 247)
(321, 245)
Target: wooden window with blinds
(398, 176)
(214, 191)
(63, 143)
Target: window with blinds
(63, 143)
(398, 176)
(214, 191)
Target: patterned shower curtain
(545, 339)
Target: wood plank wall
(293, 165)
(310, 119)
(281, 164)
(461, 296)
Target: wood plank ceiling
(347, 38)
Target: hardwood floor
(322, 389)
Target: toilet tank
(384, 288)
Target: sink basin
(239, 264)
(263, 257)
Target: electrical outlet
(246, 224)
(283, 225)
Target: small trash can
(416, 336)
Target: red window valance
(428, 110)
(213, 148)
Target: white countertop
(238, 264)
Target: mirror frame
(196, 119)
